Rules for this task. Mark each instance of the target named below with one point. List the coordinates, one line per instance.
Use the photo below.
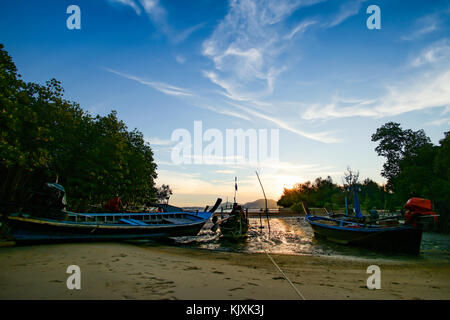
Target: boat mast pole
(356, 202)
(265, 199)
(346, 206)
(235, 188)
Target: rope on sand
(285, 276)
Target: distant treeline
(44, 136)
(414, 167)
(325, 193)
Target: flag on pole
(235, 183)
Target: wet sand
(130, 271)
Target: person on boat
(114, 205)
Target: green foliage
(416, 168)
(324, 193)
(44, 136)
(396, 144)
(314, 194)
(297, 208)
(164, 193)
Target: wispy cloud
(437, 52)
(159, 142)
(245, 46)
(421, 89)
(183, 35)
(325, 137)
(193, 99)
(340, 108)
(347, 10)
(160, 86)
(430, 90)
(129, 3)
(300, 28)
(439, 122)
(180, 59)
(245, 49)
(423, 26)
(158, 15)
(226, 171)
(229, 112)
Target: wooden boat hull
(234, 230)
(26, 229)
(405, 239)
(233, 233)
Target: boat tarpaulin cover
(418, 207)
(419, 204)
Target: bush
(297, 208)
(44, 136)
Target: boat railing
(116, 217)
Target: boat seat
(128, 221)
(177, 220)
(138, 222)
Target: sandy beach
(130, 271)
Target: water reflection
(293, 235)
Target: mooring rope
(285, 276)
(281, 271)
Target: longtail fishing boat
(53, 224)
(386, 234)
(234, 226)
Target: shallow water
(293, 235)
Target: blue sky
(311, 69)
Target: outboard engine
(374, 214)
(49, 202)
(417, 208)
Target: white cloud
(159, 17)
(418, 91)
(229, 113)
(300, 28)
(160, 86)
(180, 59)
(246, 44)
(346, 11)
(157, 14)
(324, 137)
(427, 91)
(436, 53)
(159, 142)
(129, 3)
(439, 122)
(334, 110)
(423, 26)
(446, 110)
(226, 171)
(183, 35)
